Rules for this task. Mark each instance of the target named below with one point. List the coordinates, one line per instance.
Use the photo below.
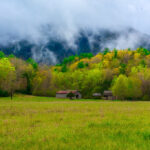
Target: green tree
(86, 55)
(115, 53)
(2, 55)
(106, 50)
(11, 56)
(134, 88)
(120, 87)
(7, 76)
(29, 74)
(143, 63)
(5, 68)
(92, 81)
(33, 63)
(143, 51)
(123, 68)
(86, 64)
(80, 65)
(42, 82)
(10, 83)
(68, 60)
(64, 68)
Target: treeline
(125, 72)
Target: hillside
(54, 49)
(125, 72)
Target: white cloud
(24, 18)
(44, 55)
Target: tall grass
(38, 123)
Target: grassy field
(36, 123)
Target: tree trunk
(11, 95)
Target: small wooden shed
(108, 95)
(63, 94)
(97, 95)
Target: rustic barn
(108, 95)
(63, 94)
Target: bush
(146, 98)
(70, 95)
(4, 93)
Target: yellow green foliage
(87, 73)
(98, 73)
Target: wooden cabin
(63, 94)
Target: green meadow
(39, 123)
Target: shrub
(4, 93)
(70, 95)
(146, 98)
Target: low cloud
(27, 18)
(44, 55)
(39, 20)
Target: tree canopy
(125, 72)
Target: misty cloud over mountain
(49, 30)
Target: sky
(27, 19)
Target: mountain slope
(54, 50)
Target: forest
(125, 72)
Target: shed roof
(97, 94)
(108, 93)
